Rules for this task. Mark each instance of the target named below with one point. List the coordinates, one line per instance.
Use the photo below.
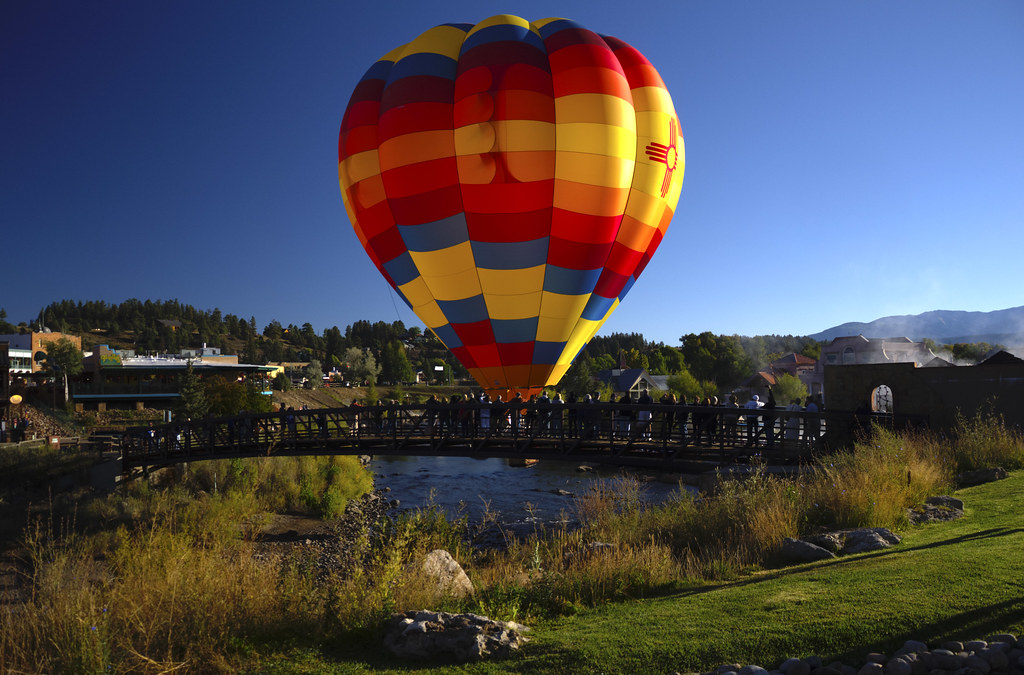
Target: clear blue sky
(844, 160)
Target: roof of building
(624, 379)
(793, 357)
(1001, 357)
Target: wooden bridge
(684, 438)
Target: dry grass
(171, 584)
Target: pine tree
(193, 403)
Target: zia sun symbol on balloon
(667, 155)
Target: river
(520, 498)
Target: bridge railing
(617, 430)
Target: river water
(520, 497)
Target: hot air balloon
(511, 180)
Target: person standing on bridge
(793, 421)
(557, 409)
(769, 418)
(643, 415)
(516, 411)
(812, 423)
(668, 415)
(573, 414)
(752, 420)
(485, 413)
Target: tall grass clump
(170, 591)
(719, 534)
(873, 484)
(321, 485)
(388, 576)
(984, 441)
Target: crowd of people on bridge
(702, 421)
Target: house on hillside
(633, 381)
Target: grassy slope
(963, 579)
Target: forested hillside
(392, 352)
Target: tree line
(382, 352)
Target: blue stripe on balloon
(423, 63)
(570, 282)
(467, 310)
(553, 27)
(435, 236)
(505, 32)
(378, 71)
(507, 331)
(448, 336)
(547, 353)
(513, 255)
(597, 307)
(625, 289)
(401, 269)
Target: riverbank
(176, 576)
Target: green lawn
(958, 580)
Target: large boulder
(460, 637)
(796, 550)
(980, 476)
(866, 539)
(939, 508)
(446, 573)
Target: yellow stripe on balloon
(420, 146)
(511, 282)
(645, 207)
(523, 306)
(502, 20)
(557, 372)
(444, 40)
(602, 170)
(441, 262)
(524, 135)
(582, 332)
(475, 139)
(394, 54)
(595, 108)
(597, 139)
(416, 292)
(551, 325)
(359, 166)
(457, 286)
(430, 314)
(652, 98)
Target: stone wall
(937, 393)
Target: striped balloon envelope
(511, 181)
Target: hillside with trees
(381, 352)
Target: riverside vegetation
(162, 579)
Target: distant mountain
(1004, 326)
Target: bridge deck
(671, 437)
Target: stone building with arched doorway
(936, 390)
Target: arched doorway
(881, 399)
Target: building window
(849, 356)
